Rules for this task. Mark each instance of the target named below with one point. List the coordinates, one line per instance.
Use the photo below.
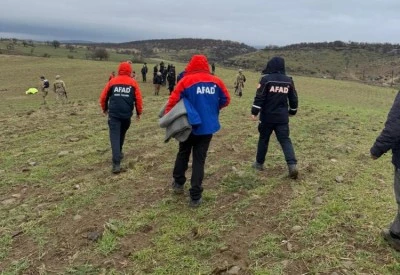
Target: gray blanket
(175, 122)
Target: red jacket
(122, 94)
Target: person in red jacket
(119, 98)
(208, 95)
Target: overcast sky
(254, 22)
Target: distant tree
(24, 43)
(101, 53)
(56, 44)
(30, 43)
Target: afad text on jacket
(206, 92)
(122, 94)
(274, 91)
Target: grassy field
(63, 212)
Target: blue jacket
(206, 93)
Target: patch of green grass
(16, 267)
(108, 243)
(246, 180)
(86, 269)
(5, 245)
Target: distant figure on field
(157, 83)
(144, 72)
(274, 91)
(213, 68)
(155, 71)
(112, 75)
(389, 139)
(119, 98)
(171, 77)
(44, 88)
(207, 94)
(239, 83)
(60, 90)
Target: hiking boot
(293, 172)
(116, 168)
(195, 203)
(258, 166)
(391, 238)
(177, 188)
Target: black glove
(292, 112)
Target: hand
(105, 113)
(138, 117)
(253, 118)
(374, 157)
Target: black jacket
(275, 94)
(390, 135)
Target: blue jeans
(118, 128)
(282, 134)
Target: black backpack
(46, 83)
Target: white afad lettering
(123, 90)
(205, 90)
(279, 89)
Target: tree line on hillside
(383, 48)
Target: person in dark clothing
(208, 95)
(144, 72)
(171, 77)
(389, 139)
(274, 91)
(118, 99)
(213, 68)
(155, 71)
(157, 83)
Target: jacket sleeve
(104, 97)
(225, 97)
(259, 99)
(138, 100)
(390, 135)
(293, 100)
(175, 96)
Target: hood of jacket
(275, 65)
(125, 69)
(198, 63)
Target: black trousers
(282, 134)
(144, 77)
(118, 128)
(199, 145)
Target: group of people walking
(59, 89)
(206, 94)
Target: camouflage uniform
(239, 83)
(60, 90)
(44, 88)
